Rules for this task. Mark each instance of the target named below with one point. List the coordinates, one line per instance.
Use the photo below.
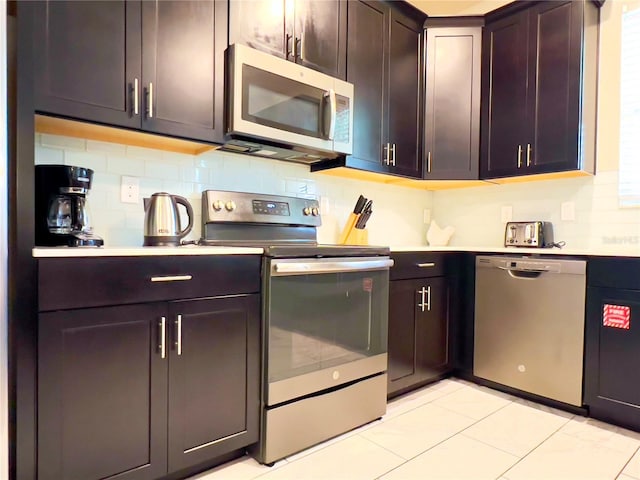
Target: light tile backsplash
(398, 212)
(398, 218)
(599, 222)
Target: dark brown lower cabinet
(418, 332)
(140, 391)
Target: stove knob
(315, 212)
(217, 205)
(306, 211)
(230, 205)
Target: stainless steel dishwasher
(529, 325)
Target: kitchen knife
(360, 204)
(362, 220)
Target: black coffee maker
(62, 213)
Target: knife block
(357, 237)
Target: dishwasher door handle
(522, 274)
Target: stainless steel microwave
(279, 109)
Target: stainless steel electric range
(324, 319)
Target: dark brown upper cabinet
(155, 66)
(452, 98)
(384, 63)
(539, 89)
(309, 32)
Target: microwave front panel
(274, 99)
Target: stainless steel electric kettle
(162, 220)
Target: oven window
(325, 320)
(279, 102)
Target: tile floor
(457, 430)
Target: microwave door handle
(333, 110)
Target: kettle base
(156, 241)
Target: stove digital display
(271, 208)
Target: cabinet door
(402, 368)
(404, 106)
(555, 52)
(611, 358)
(367, 42)
(102, 383)
(87, 60)
(213, 378)
(320, 29)
(182, 69)
(432, 328)
(265, 25)
(504, 97)
(452, 98)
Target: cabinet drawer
(89, 282)
(614, 272)
(420, 265)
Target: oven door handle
(313, 268)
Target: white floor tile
(458, 458)
(603, 434)
(516, 428)
(432, 392)
(622, 476)
(244, 468)
(568, 457)
(633, 467)
(473, 402)
(414, 432)
(351, 459)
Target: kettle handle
(187, 205)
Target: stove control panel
(219, 206)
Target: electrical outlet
(426, 215)
(568, 211)
(506, 213)
(129, 189)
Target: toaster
(528, 234)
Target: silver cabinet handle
(519, 156)
(425, 265)
(179, 334)
(136, 97)
(528, 154)
(150, 100)
(163, 337)
(422, 303)
(297, 49)
(385, 149)
(287, 41)
(428, 162)
(393, 154)
(171, 278)
(429, 298)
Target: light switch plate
(506, 213)
(568, 211)
(129, 189)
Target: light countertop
(50, 252)
(609, 251)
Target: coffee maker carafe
(62, 211)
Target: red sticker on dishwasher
(616, 316)
(367, 284)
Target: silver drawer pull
(171, 278)
(426, 265)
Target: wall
(599, 222)
(398, 212)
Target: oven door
(325, 323)
(296, 106)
